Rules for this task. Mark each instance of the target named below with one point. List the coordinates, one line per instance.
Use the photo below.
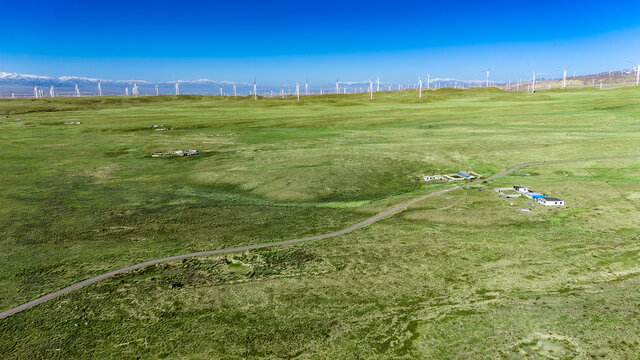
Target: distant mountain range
(23, 85)
(26, 85)
(6, 76)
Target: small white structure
(520, 189)
(550, 201)
(432, 178)
(507, 192)
(461, 175)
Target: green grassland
(463, 275)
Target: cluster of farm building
(460, 175)
(519, 190)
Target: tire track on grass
(392, 211)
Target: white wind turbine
(157, 91)
(637, 75)
(533, 83)
(337, 87)
(420, 85)
(77, 90)
(306, 87)
(428, 81)
(177, 87)
(235, 92)
(35, 91)
(135, 89)
(99, 88)
(51, 93)
(564, 79)
(371, 88)
(378, 84)
(255, 92)
(298, 90)
(487, 71)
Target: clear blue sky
(285, 41)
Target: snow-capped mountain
(22, 85)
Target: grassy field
(463, 275)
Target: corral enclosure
(460, 275)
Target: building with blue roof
(534, 195)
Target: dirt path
(382, 215)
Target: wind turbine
(298, 90)
(420, 84)
(126, 91)
(564, 79)
(378, 84)
(487, 71)
(51, 93)
(135, 89)
(77, 90)
(35, 91)
(428, 81)
(337, 87)
(306, 87)
(157, 91)
(371, 88)
(533, 84)
(177, 87)
(235, 92)
(220, 89)
(637, 75)
(255, 92)
(282, 92)
(99, 88)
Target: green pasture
(463, 275)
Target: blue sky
(286, 41)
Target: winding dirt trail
(394, 210)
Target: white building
(520, 189)
(550, 201)
(432, 178)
